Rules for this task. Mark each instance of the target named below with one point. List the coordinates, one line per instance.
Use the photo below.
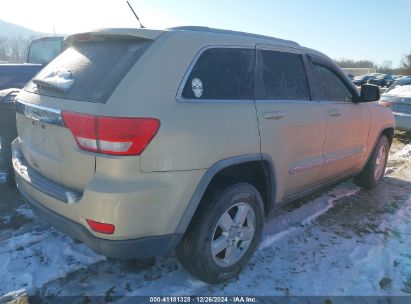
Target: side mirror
(369, 93)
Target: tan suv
(138, 141)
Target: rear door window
(283, 76)
(221, 73)
(328, 86)
(89, 70)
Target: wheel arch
(389, 133)
(232, 165)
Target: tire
(373, 171)
(210, 227)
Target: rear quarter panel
(192, 135)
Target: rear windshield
(89, 70)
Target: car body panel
(346, 137)
(58, 160)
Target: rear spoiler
(114, 33)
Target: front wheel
(374, 170)
(224, 234)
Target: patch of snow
(61, 80)
(328, 246)
(71, 197)
(269, 240)
(285, 224)
(329, 204)
(30, 260)
(25, 212)
(404, 152)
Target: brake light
(385, 103)
(111, 135)
(101, 227)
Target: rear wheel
(224, 234)
(373, 172)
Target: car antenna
(138, 19)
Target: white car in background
(398, 96)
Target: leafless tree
(386, 67)
(18, 48)
(349, 63)
(406, 64)
(3, 48)
(14, 48)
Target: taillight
(111, 135)
(385, 103)
(101, 227)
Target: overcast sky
(376, 30)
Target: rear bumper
(120, 249)
(403, 121)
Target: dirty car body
(133, 140)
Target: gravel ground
(343, 241)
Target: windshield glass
(45, 50)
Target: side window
(328, 85)
(283, 77)
(222, 73)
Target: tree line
(385, 67)
(14, 49)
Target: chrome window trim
(179, 96)
(39, 113)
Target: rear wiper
(60, 81)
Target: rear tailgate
(48, 147)
(80, 80)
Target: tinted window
(328, 85)
(283, 77)
(88, 71)
(221, 73)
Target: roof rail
(228, 32)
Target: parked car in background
(8, 131)
(12, 78)
(40, 53)
(350, 76)
(363, 79)
(398, 97)
(136, 154)
(382, 80)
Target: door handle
(334, 113)
(274, 115)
